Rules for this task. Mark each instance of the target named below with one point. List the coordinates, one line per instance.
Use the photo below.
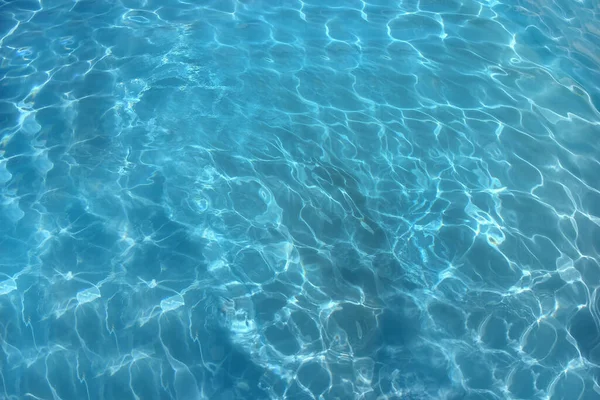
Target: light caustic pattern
(260, 199)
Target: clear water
(268, 199)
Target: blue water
(273, 199)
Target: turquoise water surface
(285, 199)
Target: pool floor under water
(289, 199)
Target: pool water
(285, 199)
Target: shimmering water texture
(324, 199)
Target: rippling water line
(273, 199)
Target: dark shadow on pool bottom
(586, 332)
(403, 361)
(237, 376)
